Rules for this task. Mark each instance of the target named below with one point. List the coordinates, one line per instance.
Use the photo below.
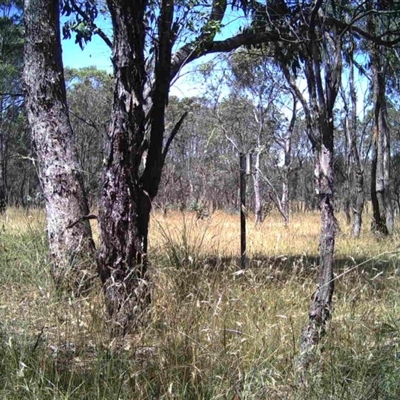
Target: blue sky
(95, 53)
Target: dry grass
(214, 331)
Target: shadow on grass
(283, 267)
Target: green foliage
(81, 24)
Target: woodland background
(120, 204)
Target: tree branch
(174, 132)
(367, 35)
(190, 51)
(85, 121)
(96, 30)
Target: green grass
(214, 331)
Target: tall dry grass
(214, 331)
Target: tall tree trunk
(385, 132)
(320, 308)
(347, 176)
(69, 233)
(287, 146)
(378, 224)
(128, 188)
(285, 196)
(358, 203)
(123, 223)
(287, 143)
(380, 166)
(257, 189)
(355, 174)
(323, 86)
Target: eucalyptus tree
(151, 44)
(380, 167)
(69, 233)
(383, 19)
(317, 54)
(321, 54)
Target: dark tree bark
(69, 233)
(124, 208)
(378, 186)
(129, 186)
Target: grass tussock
(215, 331)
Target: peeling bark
(69, 233)
(129, 186)
(122, 255)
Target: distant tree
(355, 171)
(253, 74)
(89, 95)
(285, 141)
(11, 62)
(200, 158)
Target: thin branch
(92, 25)
(344, 26)
(88, 123)
(231, 141)
(84, 218)
(190, 51)
(174, 132)
(12, 94)
(314, 13)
